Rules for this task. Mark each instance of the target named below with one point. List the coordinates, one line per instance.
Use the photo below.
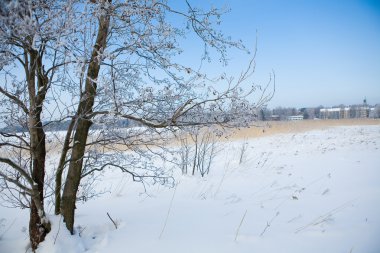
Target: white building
(294, 118)
(344, 113)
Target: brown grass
(262, 129)
(259, 129)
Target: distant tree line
(264, 114)
(353, 111)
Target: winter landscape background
(308, 186)
(172, 126)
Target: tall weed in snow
(197, 151)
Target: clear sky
(324, 52)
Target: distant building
(372, 113)
(334, 113)
(275, 117)
(363, 112)
(294, 118)
(357, 111)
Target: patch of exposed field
(267, 128)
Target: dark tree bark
(39, 226)
(62, 161)
(84, 122)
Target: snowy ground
(317, 191)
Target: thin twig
(59, 227)
(241, 222)
(323, 218)
(114, 223)
(269, 223)
(167, 215)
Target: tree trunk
(61, 164)
(195, 139)
(84, 122)
(74, 174)
(39, 225)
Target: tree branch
(18, 169)
(16, 182)
(14, 99)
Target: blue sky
(323, 52)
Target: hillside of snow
(317, 191)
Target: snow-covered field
(317, 191)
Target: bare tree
(242, 150)
(197, 150)
(91, 65)
(29, 54)
(185, 154)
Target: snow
(316, 191)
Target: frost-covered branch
(20, 170)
